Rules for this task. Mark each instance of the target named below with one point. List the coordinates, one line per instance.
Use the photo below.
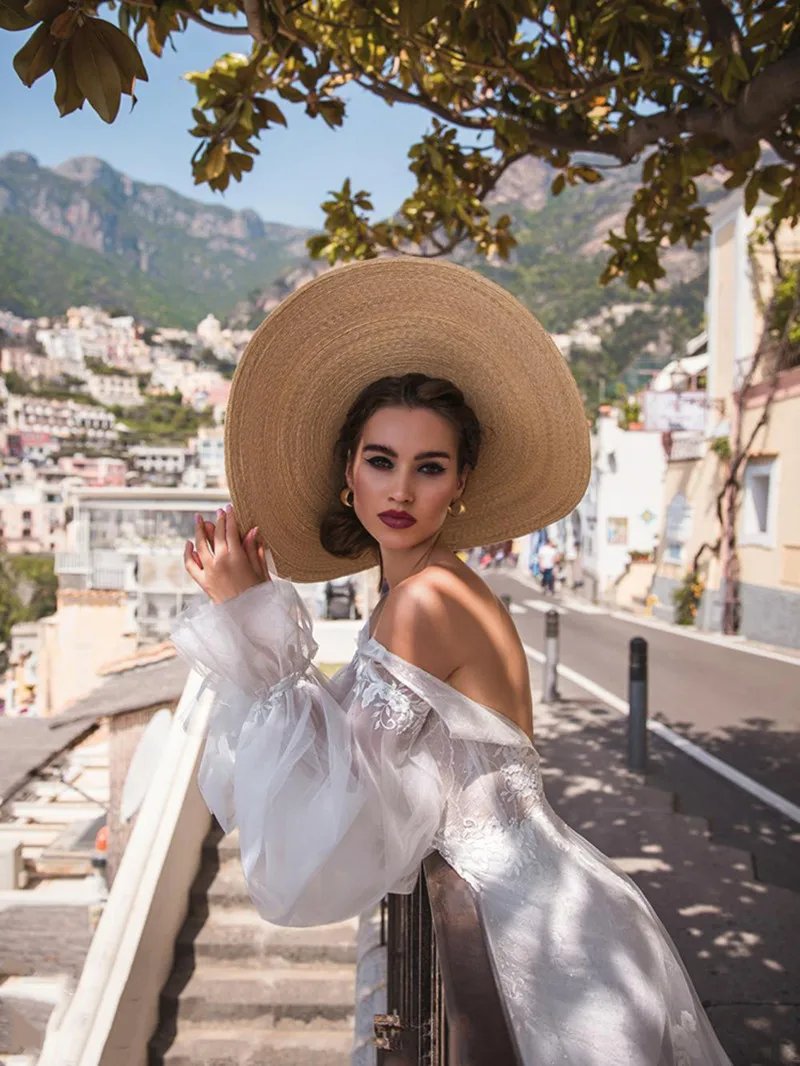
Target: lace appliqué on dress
(390, 704)
(685, 1045)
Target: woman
(424, 741)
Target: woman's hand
(222, 563)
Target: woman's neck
(397, 566)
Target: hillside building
(765, 406)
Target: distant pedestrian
(340, 598)
(547, 559)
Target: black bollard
(550, 694)
(637, 700)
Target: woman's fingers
(232, 531)
(262, 555)
(204, 550)
(192, 563)
(220, 542)
(251, 550)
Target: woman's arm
(337, 795)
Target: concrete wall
(770, 616)
(111, 1016)
(90, 628)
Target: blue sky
(292, 175)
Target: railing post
(551, 623)
(637, 701)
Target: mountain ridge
(149, 236)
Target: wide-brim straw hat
(315, 353)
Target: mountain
(559, 258)
(84, 233)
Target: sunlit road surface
(742, 708)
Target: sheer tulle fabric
(341, 787)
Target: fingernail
(219, 512)
(229, 507)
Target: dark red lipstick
(397, 519)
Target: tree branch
(722, 26)
(234, 31)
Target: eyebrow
(390, 451)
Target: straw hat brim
(313, 355)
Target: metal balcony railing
(444, 1007)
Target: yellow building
(752, 396)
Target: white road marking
(582, 607)
(730, 773)
(544, 606)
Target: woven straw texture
(313, 355)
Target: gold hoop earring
(461, 509)
(346, 496)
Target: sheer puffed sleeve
(335, 787)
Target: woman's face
(404, 475)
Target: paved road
(743, 708)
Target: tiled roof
(128, 690)
(28, 743)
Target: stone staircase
(246, 993)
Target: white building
(131, 541)
(210, 451)
(209, 331)
(621, 511)
(64, 345)
(63, 419)
(160, 462)
(110, 389)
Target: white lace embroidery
(684, 1040)
(391, 705)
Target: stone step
(197, 1046)
(227, 847)
(291, 996)
(238, 934)
(221, 885)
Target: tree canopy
(689, 87)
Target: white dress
(341, 787)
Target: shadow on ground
(737, 935)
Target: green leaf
(270, 111)
(122, 48)
(36, 56)
(588, 174)
(68, 96)
(751, 192)
(416, 13)
(96, 71)
(45, 10)
(13, 16)
(558, 185)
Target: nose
(401, 489)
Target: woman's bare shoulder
(426, 617)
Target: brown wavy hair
(341, 533)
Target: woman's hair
(341, 532)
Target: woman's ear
(348, 471)
(462, 481)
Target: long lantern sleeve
(335, 806)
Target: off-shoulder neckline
(366, 640)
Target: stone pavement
(737, 935)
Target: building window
(677, 529)
(759, 505)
